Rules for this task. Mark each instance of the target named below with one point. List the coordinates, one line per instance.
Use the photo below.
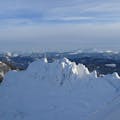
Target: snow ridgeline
(61, 71)
(55, 91)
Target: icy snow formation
(60, 90)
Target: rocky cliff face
(4, 68)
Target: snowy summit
(60, 90)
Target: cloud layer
(60, 37)
(36, 11)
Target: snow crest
(55, 91)
(60, 70)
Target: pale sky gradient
(59, 25)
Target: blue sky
(59, 24)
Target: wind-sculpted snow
(60, 90)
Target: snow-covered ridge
(55, 91)
(59, 69)
(61, 72)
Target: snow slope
(110, 111)
(60, 90)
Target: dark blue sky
(59, 24)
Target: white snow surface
(60, 90)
